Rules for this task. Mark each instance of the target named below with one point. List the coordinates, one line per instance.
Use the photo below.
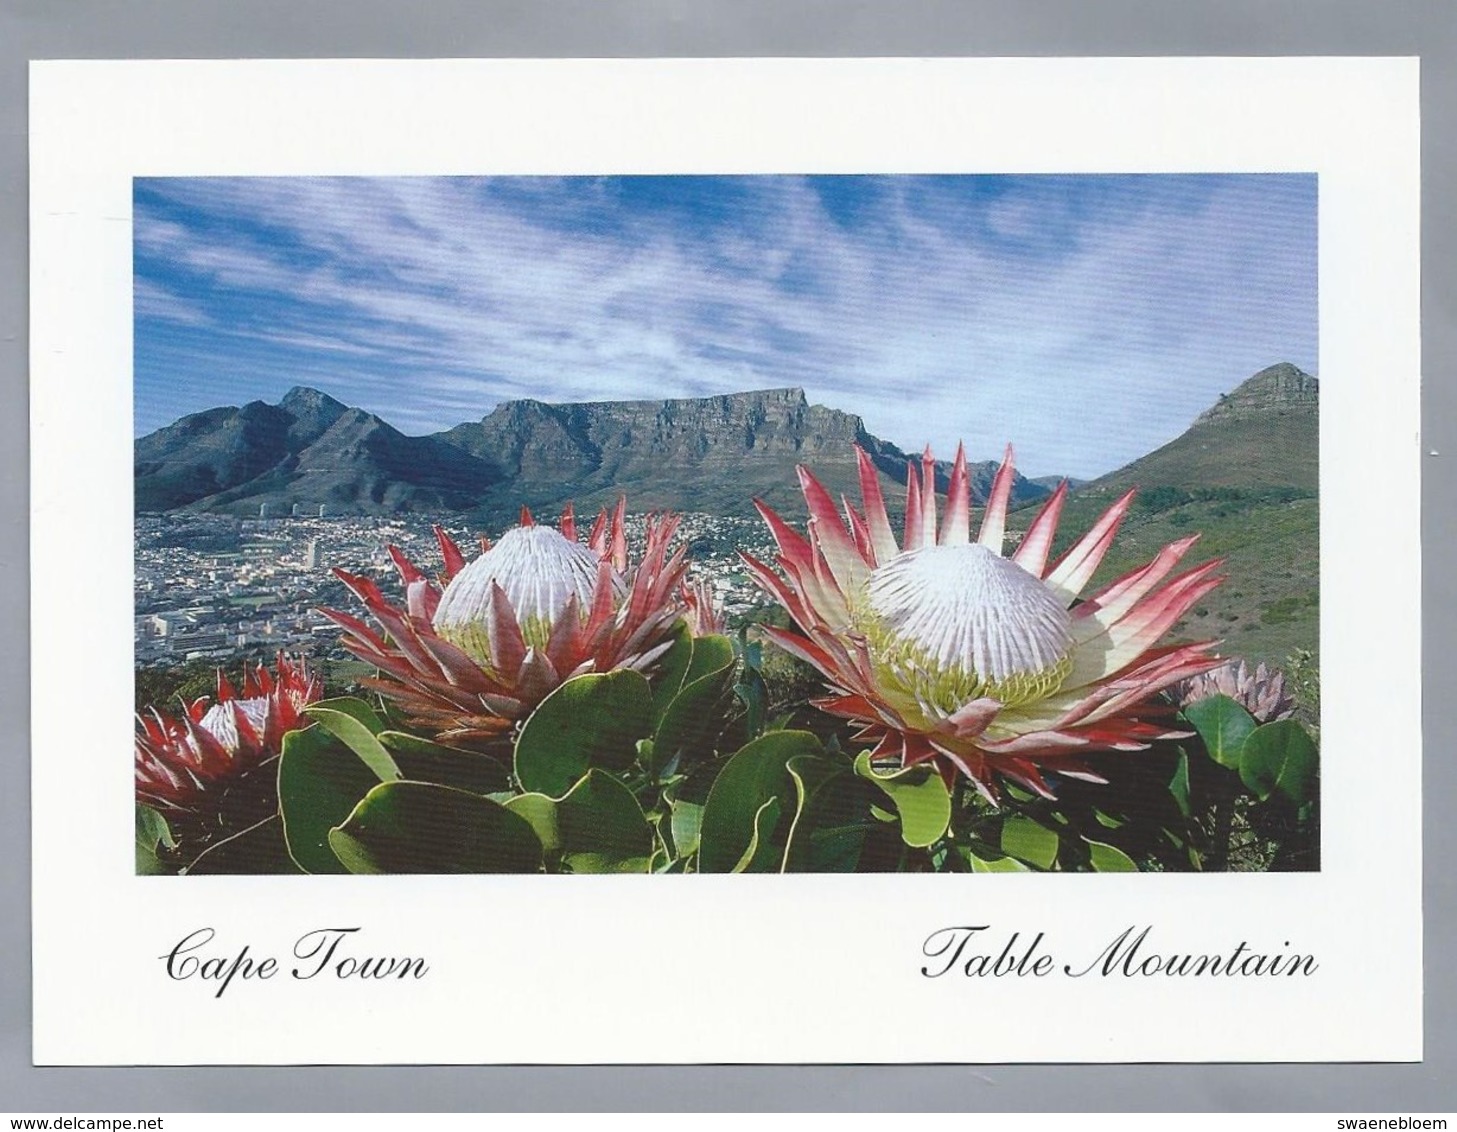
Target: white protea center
(222, 724)
(949, 624)
(539, 570)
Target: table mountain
(711, 454)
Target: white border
(723, 969)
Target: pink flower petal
(1031, 555)
(882, 540)
(1076, 567)
(956, 526)
(994, 521)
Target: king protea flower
(469, 656)
(184, 764)
(943, 649)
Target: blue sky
(1085, 319)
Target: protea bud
(705, 616)
(1262, 692)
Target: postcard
(726, 561)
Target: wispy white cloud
(1086, 323)
(151, 300)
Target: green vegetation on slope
(1268, 607)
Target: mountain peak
(1276, 389)
(303, 399)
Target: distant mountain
(308, 449)
(713, 454)
(1245, 477)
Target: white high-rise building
(311, 555)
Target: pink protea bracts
(184, 763)
(704, 614)
(469, 656)
(1261, 692)
(943, 649)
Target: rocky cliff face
(714, 454)
(526, 438)
(1278, 389)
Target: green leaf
(780, 722)
(920, 797)
(541, 814)
(753, 693)
(684, 823)
(597, 827)
(761, 856)
(986, 863)
(357, 725)
(1179, 785)
(421, 760)
(320, 781)
(693, 719)
(592, 720)
(668, 673)
(417, 827)
(1029, 841)
(1109, 859)
(1280, 756)
(711, 654)
(152, 832)
(602, 828)
(686, 800)
(833, 817)
(257, 850)
(1223, 725)
(152, 828)
(753, 776)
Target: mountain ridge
(714, 454)
(1262, 434)
(307, 449)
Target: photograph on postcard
(761, 523)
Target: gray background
(435, 28)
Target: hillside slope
(708, 454)
(1244, 476)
